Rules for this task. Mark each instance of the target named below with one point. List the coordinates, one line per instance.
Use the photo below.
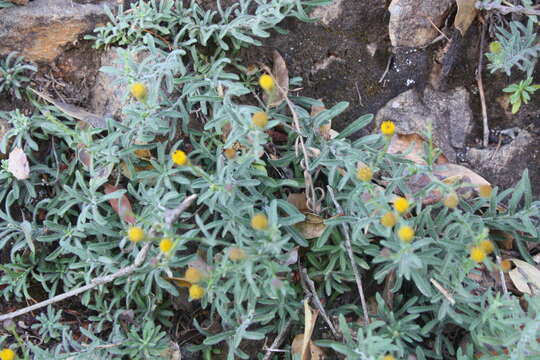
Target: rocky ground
(387, 60)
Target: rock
(41, 29)
(4, 128)
(448, 112)
(503, 166)
(328, 13)
(107, 98)
(410, 24)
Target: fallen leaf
(280, 74)
(526, 277)
(84, 157)
(413, 146)
(121, 206)
(302, 342)
(465, 15)
(312, 227)
(299, 201)
(18, 164)
(458, 172)
(292, 257)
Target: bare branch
(277, 341)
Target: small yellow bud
(266, 82)
(388, 220)
(485, 190)
(477, 254)
(451, 200)
(495, 47)
(389, 357)
(260, 119)
(388, 128)
(259, 222)
(364, 173)
(506, 265)
(139, 91)
(193, 275)
(7, 354)
(166, 245)
(487, 246)
(406, 234)
(401, 205)
(196, 292)
(236, 254)
(135, 234)
(179, 158)
(229, 153)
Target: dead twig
(507, 9)
(139, 259)
(443, 291)
(501, 274)
(277, 341)
(348, 246)
(390, 58)
(317, 300)
(438, 30)
(481, 85)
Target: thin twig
(390, 58)
(507, 9)
(439, 30)
(317, 301)
(481, 85)
(277, 341)
(141, 256)
(443, 291)
(501, 274)
(348, 246)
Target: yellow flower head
(139, 91)
(389, 357)
(266, 82)
(260, 119)
(451, 200)
(179, 158)
(135, 234)
(196, 292)
(487, 246)
(166, 245)
(229, 153)
(495, 47)
(388, 128)
(388, 220)
(193, 275)
(259, 222)
(401, 205)
(7, 354)
(406, 234)
(364, 173)
(485, 190)
(236, 254)
(477, 254)
(506, 265)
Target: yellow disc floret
(487, 246)
(364, 173)
(7, 354)
(260, 119)
(139, 91)
(135, 234)
(236, 254)
(229, 153)
(259, 222)
(406, 234)
(388, 220)
(196, 292)
(401, 205)
(266, 82)
(193, 275)
(179, 158)
(388, 128)
(451, 200)
(477, 254)
(166, 245)
(485, 190)
(389, 357)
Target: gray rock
(43, 28)
(107, 98)
(410, 24)
(504, 165)
(448, 113)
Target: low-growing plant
(14, 74)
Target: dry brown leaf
(401, 143)
(280, 74)
(465, 15)
(18, 164)
(302, 342)
(458, 172)
(526, 277)
(299, 201)
(316, 352)
(312, 227)
(121, 206)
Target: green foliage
(14, 74)
(521, 93)
(60, 230)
